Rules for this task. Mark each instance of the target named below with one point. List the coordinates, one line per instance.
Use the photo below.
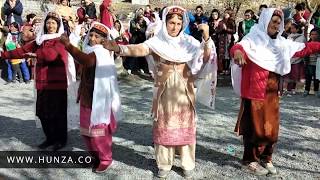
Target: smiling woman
(98, 94)
(51, 79)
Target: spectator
(297, 65)
(13, 10)
(106, 14)
(138, 28)
(200, 18)
(315, 20)
(213, 23)
(287, 27)
(225, 30)
(81, 12)
(12, 42)
(302, 15)
(147, 12)
(30, 18)
(261, 7)
(90, 9)
(245, 25)
(311, 63)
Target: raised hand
(205, 31)
(64, 39)
(111, 46)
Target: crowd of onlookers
(226, 28)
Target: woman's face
(117, 26)
(174, 25)
(64, 2)
(274, 26)
(215, 15)
(52, 26)
(247, 16)
(226, 15)
(12, 28)
(293, 29)
(314, 36)
(95, 38)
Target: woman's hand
(30, 55)
(111, 46)
(205, 31)
(64, 39)
(239, 58)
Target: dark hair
(199, 7)
(317, 30)
(99, 32)
(300, 7)
(67, 0)
(15, 24)
(30, 16)
(298, 27)
(213, 11)
(263, 6)
(55, 19)
(249, 11)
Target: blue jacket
(16, 12)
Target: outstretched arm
(311, 48)
(20, 53)
(87, 60)
(137, 50)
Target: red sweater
(105, 14)
(254, 78)
(51, 64)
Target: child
(98, 93)
(297, 65)
(15, 63)
(11, 44)
(311, 63)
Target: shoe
(163, 173)
(256, 169)
(58, 146)
(45, 144)
(305, 93)
(14, 82)
(28, 82)
(187, 174)
(269, 166)
(8, 82)
(103, 168)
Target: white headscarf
(182, 48)
(114, 33)
(271, 54)
(41, 36)
(106, 95)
